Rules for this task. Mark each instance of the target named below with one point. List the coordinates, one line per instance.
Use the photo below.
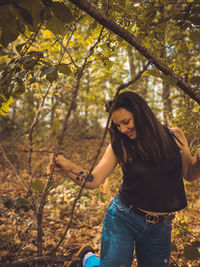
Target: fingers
(56, 167)
(48, 169)
(60, 161)
(51, 158)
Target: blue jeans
(124, 231)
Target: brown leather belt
(149, 217)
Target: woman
(153, 159)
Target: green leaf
(34, 8)
(8, 36)
(47, 2)
(28, 62)
(195, 36)
(52, 76)
(194, 20)
(19, 90)
(9, 203)
(62, 12)
(25, 15)
(56, 26)
(50, 186)
(169, 79)
(154, 72)
(37, 185)
(22, 203)
(191, 253)
(25, 59)
(64, 68)
(47, 70)
(107, 63)
(195, 80)
(37, 54)
(92, 27)
(5, 15)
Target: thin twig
(44, 259)
(27, 236)
(31, 129)
(12, 167)
(65, 46)
(60, 141)
(65, 126)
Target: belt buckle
(151, 218)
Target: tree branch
(36, 260)
(30, 135)
(131, 39)
(64, 129)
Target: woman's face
(124, 121)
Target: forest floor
(18, 222)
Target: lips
(129, 133)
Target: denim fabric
(124, 231)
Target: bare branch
(42, 260)
(137, 77)
(12, 167)
(30, 135)
(60, 141)
(65, 46)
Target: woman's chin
(132, 136)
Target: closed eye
(123, 122)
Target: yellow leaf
(7, 232)
(30, 247)
(65, 198)
(50, 242)
(5, 107)
(17, 239)
(106, 185)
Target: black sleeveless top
(152, 187)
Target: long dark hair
(153, 141)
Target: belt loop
(130, 208)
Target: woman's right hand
(57, 167)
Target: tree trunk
(167, 109)
(131, 61)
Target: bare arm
(191, 165)
(78, 174)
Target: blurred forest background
(58, 68)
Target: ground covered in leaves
(18, 219)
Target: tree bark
(131, 62)
(131, 39)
